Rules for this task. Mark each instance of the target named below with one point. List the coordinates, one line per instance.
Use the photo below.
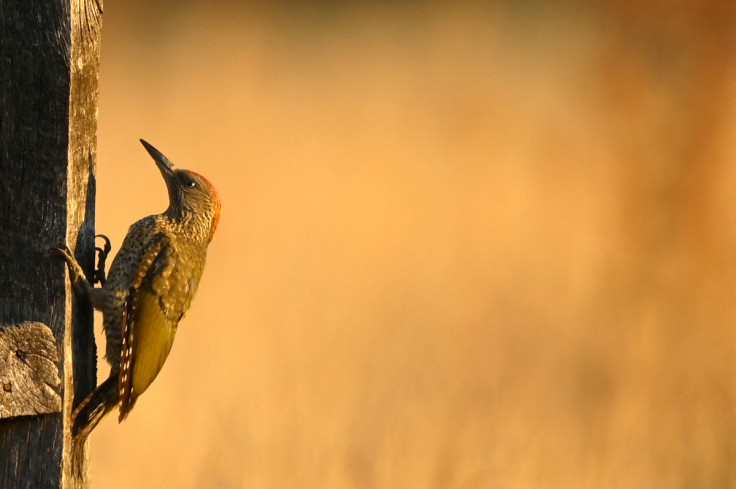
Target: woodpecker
(149, 288)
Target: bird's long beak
(165, 166)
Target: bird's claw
(62, 250)
(99, 275)
(107, 247)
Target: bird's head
(193, 200)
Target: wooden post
(49, 59)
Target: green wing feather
(162, 291)
(148, 331)
(154, 335)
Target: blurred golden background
(462, 245)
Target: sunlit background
(461, 245)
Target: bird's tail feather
(94, 407)
(88, 414)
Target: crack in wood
(29, 370)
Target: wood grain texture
(49, 52)
(29, 373)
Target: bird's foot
(76, 274)
(99, 275)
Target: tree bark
(49, 60)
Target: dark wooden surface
(49, 52)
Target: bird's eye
(190, 184)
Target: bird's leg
(99, 276)
(78, 279)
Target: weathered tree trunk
(49, 58)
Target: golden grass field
(460, 247)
